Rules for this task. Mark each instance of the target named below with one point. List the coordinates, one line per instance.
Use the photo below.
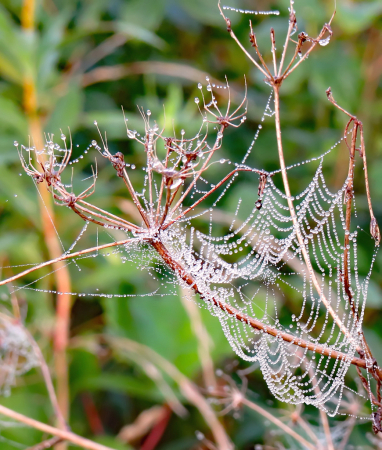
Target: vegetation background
(67, 63)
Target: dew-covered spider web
(246, 271)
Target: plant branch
(49, 443)
(187, 387)
(264, 413)
(187, 210)
(232, 34)
(62, 434)
(64, 257)
(293, 215)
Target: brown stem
(162, 185)
(254, 323)
(187, 387)
(264, 413)
(233, 35)
(292, 24)
(252, 38)
(166, 206)
(374, 228)
(273, 42)
(348, 199)
(136, 201)
(117, 223)
(201, 170)
(187, 210)
(106, 213)
(62, 434)
(314, 42)
(293, 215)
(49, 443)
(375, 370)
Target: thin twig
(292, 25)
(190, 208)
(187, 387)
(62, 434)
(229, 29)
(46, 444)
(48, 381)
(264, 413)
(325, 28)
(273, 42)
(293, 215)
(64, 257)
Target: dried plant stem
(254, 323)
(199, 173)
(136, 201)
(187, 210)
(348, 199)
(264, 413)
(64, 257)
(49, 443)
(63, 281)
(120, 221)
(294, 216)
(187, 387)
(44, 368)
(234, 37)
(373, 368)
(62, 434)
(48, 381)
(292, 24)
(314, 42)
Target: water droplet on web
(324, 42)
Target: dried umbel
(17, 355)
(302, 242)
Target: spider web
(256, 266)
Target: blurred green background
(87, 58)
